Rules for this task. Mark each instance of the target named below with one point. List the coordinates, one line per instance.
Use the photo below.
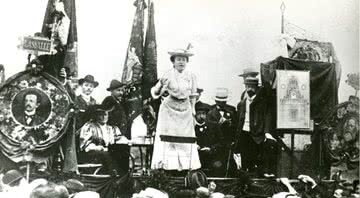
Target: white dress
(176, 122)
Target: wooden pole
(28, 172)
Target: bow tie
(29, 118)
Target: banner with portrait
(293, 99)
(34, 113)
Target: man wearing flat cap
(116, 107)
(256, 144)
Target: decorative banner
(293, 99)
(34, 111)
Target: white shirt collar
(87, 98)
(31, 113)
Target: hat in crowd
(251, 81)
(50, 190)
(195, 179)
(74, 186)
(114, 84)
(89, 79)
(249, 71)
(222, 94)
(94, 110)
(199, 90)
(151, 193)
(87, 194)
(12, 176)
(180, 52)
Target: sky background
(227, 36)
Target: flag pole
(282, 8)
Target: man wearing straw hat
(257, 146)
(221, 121)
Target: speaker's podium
(291, 161)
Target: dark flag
(63, 30)
(59, 25)
(150, 55)
(133, 67)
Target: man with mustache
(84, 100)
(221, 120)
(30, 116)
(257, 146)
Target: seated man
(95, 138)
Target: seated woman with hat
(95, 138)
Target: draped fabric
(150, 55)
(133, 68)
(69, 55)
(316, 51)
(33, 143)
(323, 86)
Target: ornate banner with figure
(34, 112)
(293, 99)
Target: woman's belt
(178, 99)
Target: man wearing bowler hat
(116, 107)
(84, 100)
(221, 120)
(199, 104)
(248, 72)
(257, 145)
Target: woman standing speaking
(175, 141)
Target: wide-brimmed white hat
(180, 52)
(221, 94)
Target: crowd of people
(14, 184)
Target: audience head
(50, 190)
(74, 186)
(116, 88)
(12, 178)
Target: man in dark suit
(221, 120)
(115, 105)
(205, 140)
(257, 145)
(248, 72)
(30, 117)
(84, 100)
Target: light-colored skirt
(175, 119)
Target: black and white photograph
(179, 99)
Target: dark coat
(36, 120)
(117, 115)
(82, 105)
(223, 133)
(204, 137)
(260, 118)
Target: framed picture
(293, 99)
